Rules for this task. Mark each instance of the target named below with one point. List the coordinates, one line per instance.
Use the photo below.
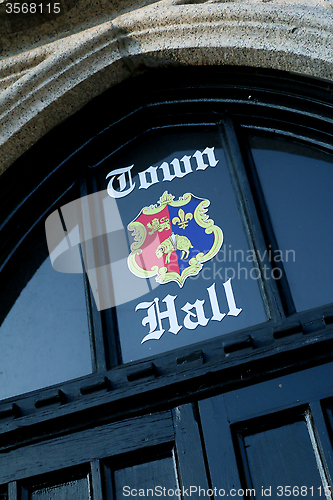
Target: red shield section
(159, 229)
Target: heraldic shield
(173, 239)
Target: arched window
(184, 220)
(167, 294)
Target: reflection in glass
(44, 337)
(297, 183)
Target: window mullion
(108, 316)
(13, 491)
(253, 230)
(95, 317)
(268, 231)
(96, 479)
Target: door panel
(163, 449)
(83, 447)
(73, 489)
(281, 456)
(150, 477)
(177, 469)
(271, 438)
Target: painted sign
(165, 172)
(156, 254)
(173, 239)
(195, 313)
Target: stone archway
(46, 78)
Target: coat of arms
(173, 239)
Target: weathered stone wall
(51, 66)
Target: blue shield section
(184, 224)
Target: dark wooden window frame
(236, 100)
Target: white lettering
(149, 176)
(168, 176)
(217, 315)
(212, 161)
(200, 314)
(187, 166)
(193, 311)
(144, 182)
(155, 315)
(178, 172)
(150, 318)
(233, 310)
(122, 182)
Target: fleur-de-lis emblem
(182, 219)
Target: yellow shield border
(196, 263)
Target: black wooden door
(152, 455)
(272, 439)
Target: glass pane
(181, 266)
(44, 337)
(273, 458)
(297, 182)
(152, 479)
(71, 490)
